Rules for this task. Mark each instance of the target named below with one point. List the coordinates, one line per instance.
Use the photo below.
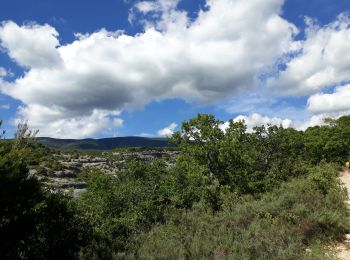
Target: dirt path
(342, 251)
(345, 178)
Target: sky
(94, 69)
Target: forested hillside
(230, 194)
(105, 143)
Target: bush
(279, 225)
(34, 224)
(230, 195)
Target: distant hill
(105, 143)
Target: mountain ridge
(109, 143)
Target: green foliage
(329, 142)
(280, 225)
(122, 208)
(230, 194)
(197, 208)
(246, 162)
(141, 197)
(34, 224)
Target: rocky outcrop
(110, 163)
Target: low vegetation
(268, 194)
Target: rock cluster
(65, 179)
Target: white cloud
(167, 131)
(217, 56)
(268, 106)
(315, 120)
(258, 120)
(161, 6)
(323, 61)
(334, 102)
(30, 45)
(318, 119)
(55, 122)
(146, 7)
(164, 14)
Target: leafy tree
(34, 223)
(330, 142)
(119, 209)
(246, 162)
(231, 193)
(200, 138)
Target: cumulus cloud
(56, 123)
(217, 56)
(322, 60)
(167, 131)
(318, 119)
(255, 119)
(315, 120)
(335, 102)
(159, 14)
(30, 45)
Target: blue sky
(119, 68)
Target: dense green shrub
(122, 208)
(248, 163)
(280, 225)
(233, 194)
(34, 223)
